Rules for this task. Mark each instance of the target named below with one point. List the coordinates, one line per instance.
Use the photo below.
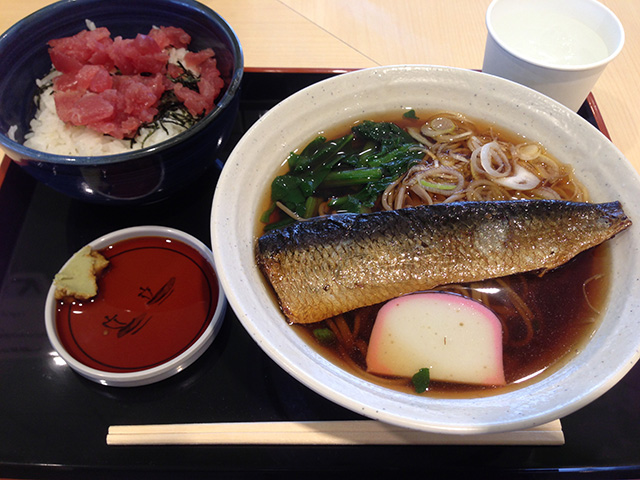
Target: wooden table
(346, 34)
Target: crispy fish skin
(330, 265)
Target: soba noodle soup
(446, 157)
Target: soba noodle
(463, 163)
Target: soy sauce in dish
(155, 299)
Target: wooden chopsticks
(356, 432)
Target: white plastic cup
(557, 47)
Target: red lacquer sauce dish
(159, 306)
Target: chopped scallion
(324, 335)
(421, 380)
(439, 186)
(410, 114)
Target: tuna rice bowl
(107, 95)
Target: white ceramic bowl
(248, 172)
(173, 365)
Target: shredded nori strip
(170, 109)
(186, 78)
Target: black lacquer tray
(53, 423)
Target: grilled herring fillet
(330, 265)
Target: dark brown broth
(566, 305)
(340, 130)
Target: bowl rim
(226, 247)
(159, 372)
(229, 95)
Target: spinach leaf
(361, 164)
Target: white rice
(11, 133)
(50, 134)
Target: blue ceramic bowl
(142, 176)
